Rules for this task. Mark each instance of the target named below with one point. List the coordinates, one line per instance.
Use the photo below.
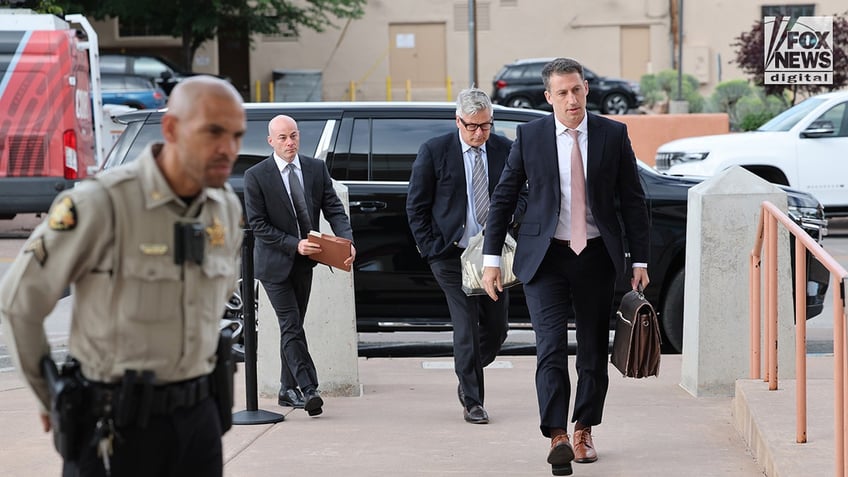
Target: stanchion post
(251, 415)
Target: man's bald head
(189, 93)
(202, 128)
(284, 137)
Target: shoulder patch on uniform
(63, 215)
(38, 250)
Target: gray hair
(472, 100)
(559, 66)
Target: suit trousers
(289, 300)
(581, 286)
(479, 328)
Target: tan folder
(334, 250)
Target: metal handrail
(767, 233)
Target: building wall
(360, 51)
(205, 60)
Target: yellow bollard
(448, 87)
(270, 91)
(352, 91)
(388, 88)
(408, 90)
(258, 91)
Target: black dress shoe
(291, 398)
(313, 403)
(461, 395)
(476, 415)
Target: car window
(533, 71)
(512, 72)
(506, 128)
(835, 119)
(113, 64)
(254, 143)
(395, 143)
(149, 67)
(789, 118)
(138, 82)
(112, 83)
(359, 147)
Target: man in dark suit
(283, 196)
(570, 249)
(444, 212)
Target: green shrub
(662, 87)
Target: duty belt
(151, 400)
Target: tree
(40, 6)
(750, 58)
(197, 21)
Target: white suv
(805, 147)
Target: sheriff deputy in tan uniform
(151, 250)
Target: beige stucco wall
(205, 60)
(358, 50)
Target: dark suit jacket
(272, 218)
(612, 186)
(437, 201)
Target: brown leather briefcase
(636, 346)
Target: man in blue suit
(444, 213)
(283, 197)
(570, 249)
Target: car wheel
(672, 312)
(615, 103)
(519, 102)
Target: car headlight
(664, 160)
(811, 219)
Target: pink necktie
(578, 197)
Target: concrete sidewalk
(407, 422)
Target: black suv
(370, 148)
(520, 85)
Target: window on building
(141, 28)
(804, 10)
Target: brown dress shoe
(584, 448)
(560, 455)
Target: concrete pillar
(720, 234)
(678, 107)
(330, 326)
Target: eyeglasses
(474, 126)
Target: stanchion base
(257, 417)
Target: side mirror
(166, 75)
(818, 129)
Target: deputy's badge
(215, 232)
(38, 250)
(63, 215)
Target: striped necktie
(480, 186)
